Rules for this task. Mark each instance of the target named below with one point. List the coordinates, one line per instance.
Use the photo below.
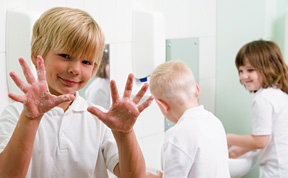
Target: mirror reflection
(98, 89)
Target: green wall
(276, 22)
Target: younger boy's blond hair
(173, 82)
(71, 30)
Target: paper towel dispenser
(148, 42)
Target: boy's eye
(240, 70)
(86, 62)
(66, 56)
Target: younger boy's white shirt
(269, 115)
(73, 144)
(196, 146)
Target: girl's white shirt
(269, 115)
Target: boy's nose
(74, 68)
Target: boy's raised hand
(37, 99)
(124, 111)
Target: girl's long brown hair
(266, 58)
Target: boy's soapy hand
(124, 111)
(37, 99)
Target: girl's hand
(37, 99)
(124, 111)
(236, 151)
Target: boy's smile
(68, 82)
(249, 77)
(66, 74)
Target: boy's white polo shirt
(71, 144)
(196, 146)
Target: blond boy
(71, 141)
(196, 145)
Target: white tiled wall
(207, 93)
(123, 21)
(3, 84)
(54, 3)
(120, 67)
(107, 18)
(3, 6)
(207, 72)
(150, 122)
(184, 19)
(3, 88)
(151, 147)
(207, 54)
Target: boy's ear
(197, 91)
(34, 59)
(163, 105)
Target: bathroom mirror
(97, 90)
(186, 50)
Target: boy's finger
(63, 98)
(128, 87)
(41, 69)
(18, 82)
(114, 91)
(97, 112)
(145, 104)
(140, 93)
(27, 72)
(21, 99)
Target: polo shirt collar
(79, 104)
(194, 111)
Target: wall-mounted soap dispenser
(148, 42)
(18, 37)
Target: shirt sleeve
(176, 162)
(261, 114)
(109, 150)
(8, 121)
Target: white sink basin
(240, 166)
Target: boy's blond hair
(71, 30)
(173, 82)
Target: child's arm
(237, 151)
(121, 118)
(15, 158)
(248, 141)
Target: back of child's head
(173, 82)
(72, 31)
(266, 58)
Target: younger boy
(196, 145)
(69, 142)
